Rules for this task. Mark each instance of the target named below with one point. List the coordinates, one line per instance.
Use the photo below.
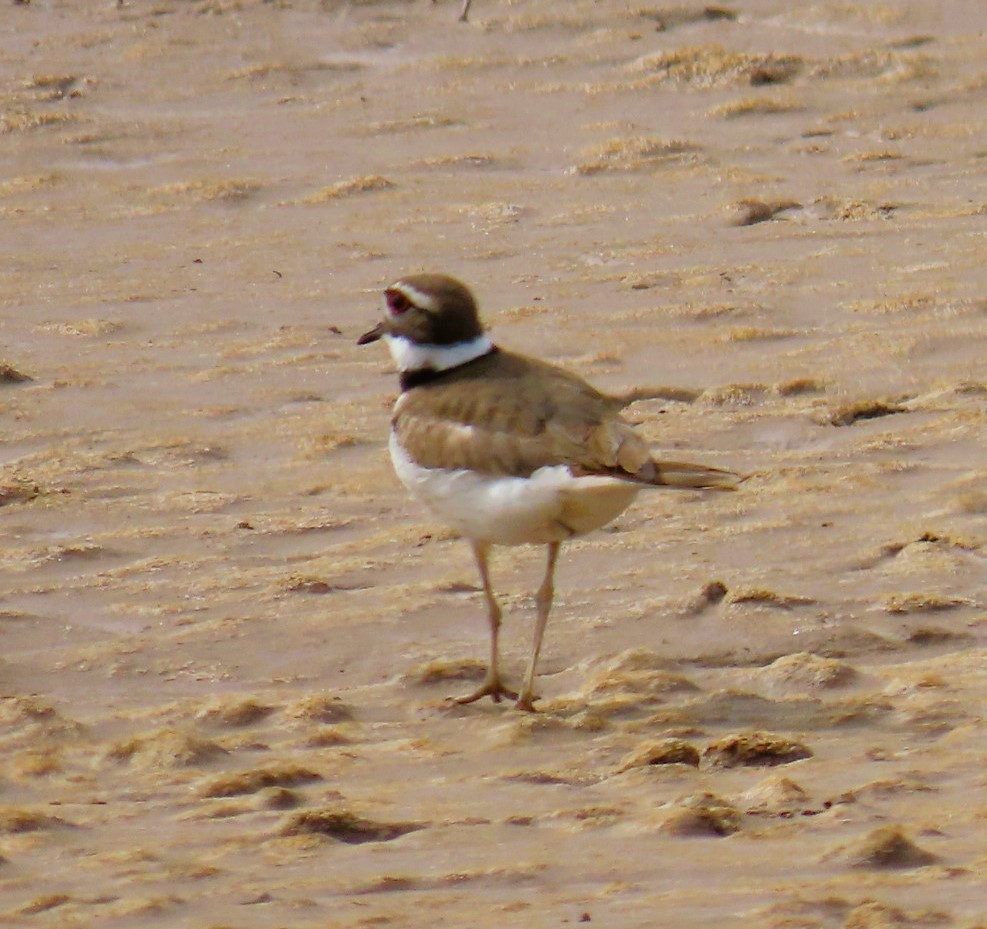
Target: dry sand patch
(226, 635)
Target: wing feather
(518, 415)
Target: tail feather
(683, 474)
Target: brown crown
(432, 309)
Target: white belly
(549, 506)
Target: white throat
(411, 356)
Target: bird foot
(491, 687)
(526, 702)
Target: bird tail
(682, 474)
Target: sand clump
(357, 185)
(778, 795)
(249, 782)
(885, 847)
(706, 67)
(319, 708)
(234, 713)
(702, 814)
(11, 375)
(20, 492)
(344, 826)
(803, 671)
(757, 749)
(17, 820)
(171, 748)
(662, 752)
(747, 212)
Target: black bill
(372, 336)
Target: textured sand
(226, 635)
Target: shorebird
(506, 449)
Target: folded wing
(520, 415)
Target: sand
(227, 635)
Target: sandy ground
(226, 634)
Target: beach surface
(228, 636)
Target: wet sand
(227, 635)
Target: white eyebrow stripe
(418, 297)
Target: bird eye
(397, 302)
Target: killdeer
(506, 449)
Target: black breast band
(412, 379)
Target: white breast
(549, 506)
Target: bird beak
(372, 336)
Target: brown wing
(518, 415)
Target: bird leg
(464, 11)
(492, 685)
(543, 602)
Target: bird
(507, 449)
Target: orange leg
(492, 685)
(543, 602)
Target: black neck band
(411, 379)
